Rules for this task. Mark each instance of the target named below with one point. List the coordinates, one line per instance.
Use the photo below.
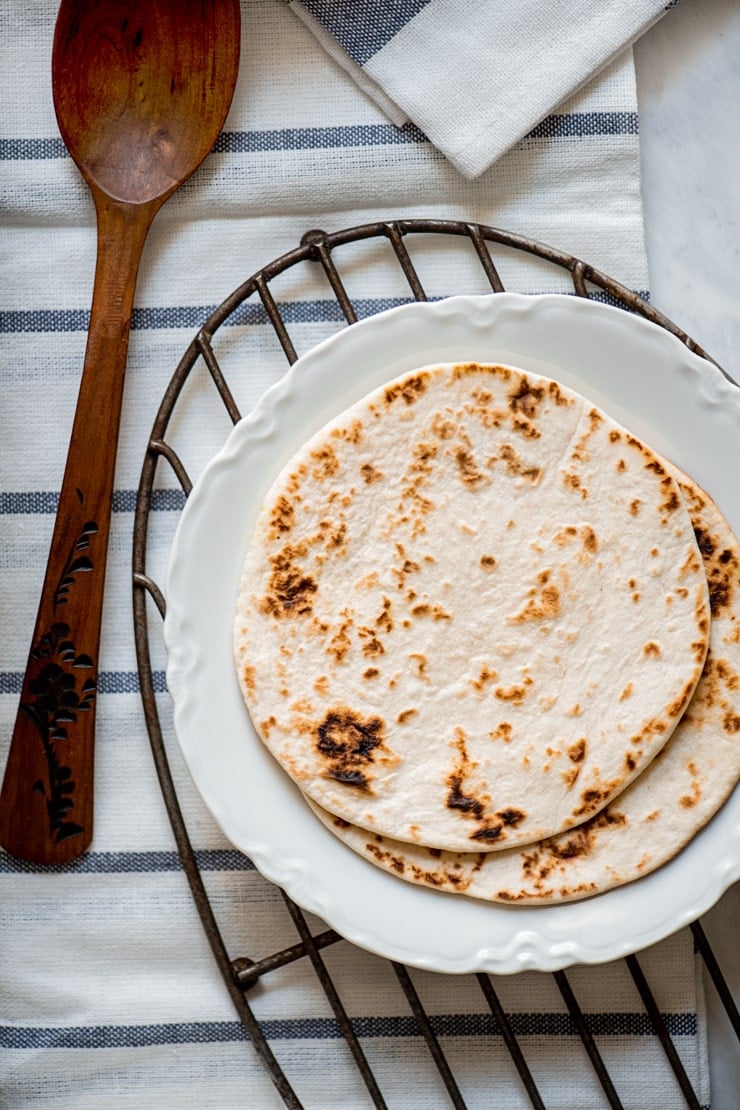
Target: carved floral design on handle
(76, 563)
(58, 692)
(54, 704)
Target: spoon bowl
(141, 91)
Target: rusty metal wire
(241, 973)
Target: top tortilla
(472, 611)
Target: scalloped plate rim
(524, 948)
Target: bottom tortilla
(654, 818)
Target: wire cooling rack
(241, 973)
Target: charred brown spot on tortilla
(407, 567)
(651, 648)
(524, 428)
(731, 723)
(621, 465)
(382, 855)
(515, 694)
(688, 801)
(627, 692)
(488, 562)
(371, 672)
(614, 436)
(248, 676)
(579, 844)
(588, 536)
(591, 800)
(676, 708)
(526, 398)
(488, 833)
(458, 799)
(335, 537)
(442, 427)
(282, 517)
(717, 680)
(460, 796)
(502, 732)
(349, 743)
(630, 762)
(384, 621)
(421, 663)
(267, 726)
(511, 817)
(484, 676)
(727, 674)
(581, 452)
(635, 506)
(692, 565)
(371, 645)
(544, 607)
(654, 465)
(406, 715)
(321, 685)
(469, 473)
(565, 536)
(573, 481)
(409, 390)
(468, 369)
(340, 643)
(577, 751)
(326, 463)
(289, 590)
(340, 823)
(672, 500)
(722, 573)
(370, 473)
(515, 467)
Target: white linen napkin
(474, 77)
(110, 998)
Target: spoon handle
(46, 803)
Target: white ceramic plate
(643, 377)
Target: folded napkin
(474, 77)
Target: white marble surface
(688, 80)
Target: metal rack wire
(242, 973)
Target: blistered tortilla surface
(472, 611)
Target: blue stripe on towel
(27, 502)
(126, 863)
(109, 682)
(248, 314)
(293, 1029)
(568, 125)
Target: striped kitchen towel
(474, 77)
(109, 995)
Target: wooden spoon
(141, 91)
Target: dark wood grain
(141, 91)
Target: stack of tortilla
(494, 639)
